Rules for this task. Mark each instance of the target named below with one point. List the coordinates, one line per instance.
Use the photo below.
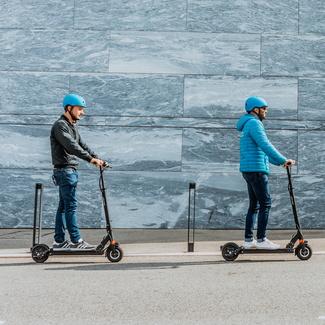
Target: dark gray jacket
(66, 144)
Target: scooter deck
(243, 250)
(75, 252)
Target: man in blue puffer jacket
(256, 151)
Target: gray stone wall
(165, 82)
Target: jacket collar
(73, 124)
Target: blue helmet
(73, 100)
(253, 102)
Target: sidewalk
(169, 286)
(16, 243)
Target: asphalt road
(273, 289)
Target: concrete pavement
(158, 283)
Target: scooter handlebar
(289, 163)
(106, 165)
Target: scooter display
(108, 246)
(230, 251)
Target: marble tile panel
(254, 16)
(159, 200)
(224, 207)
(184, 53)
(32, 93)
(311, 17)
(286, 142)
(171, 122)
(222, 201)
(54, 14)
(215, 123)
(126, 148)
(87, 120)
(25, 146)
(135, 200)
(311, 99)
(54, 50)
(311, 152)
(17, 197)
(210, 150)
(17, 201)
(90, 120)
(164, 15)
(309, 197)
(27, 119)
(149, 200)
(294, 125)
(301, 55)
(224, 96)
(165, 122)
(214, 150)
(135, 148)
(131, 95)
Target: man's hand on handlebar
(97, 162)
(289, 163)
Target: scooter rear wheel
(304, 252)
(40, 253)
(229, 251)
(114, 254)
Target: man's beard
(74, 117)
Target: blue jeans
(259, 204)
(67, 180)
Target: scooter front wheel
(40, 253)
(304, 252)
(230, 251)
(114, 254)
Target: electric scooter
(230, 251)
(108, 246)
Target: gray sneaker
(81, 244)
(64, 245)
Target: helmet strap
(257, 114)
(73, 117)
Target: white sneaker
(266, 244)
(250, 244)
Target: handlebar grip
(106, 165)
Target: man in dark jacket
(256, 151)
(66, 147)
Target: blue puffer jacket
(256, 150)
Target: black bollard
(38, 211)
(191, 217)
